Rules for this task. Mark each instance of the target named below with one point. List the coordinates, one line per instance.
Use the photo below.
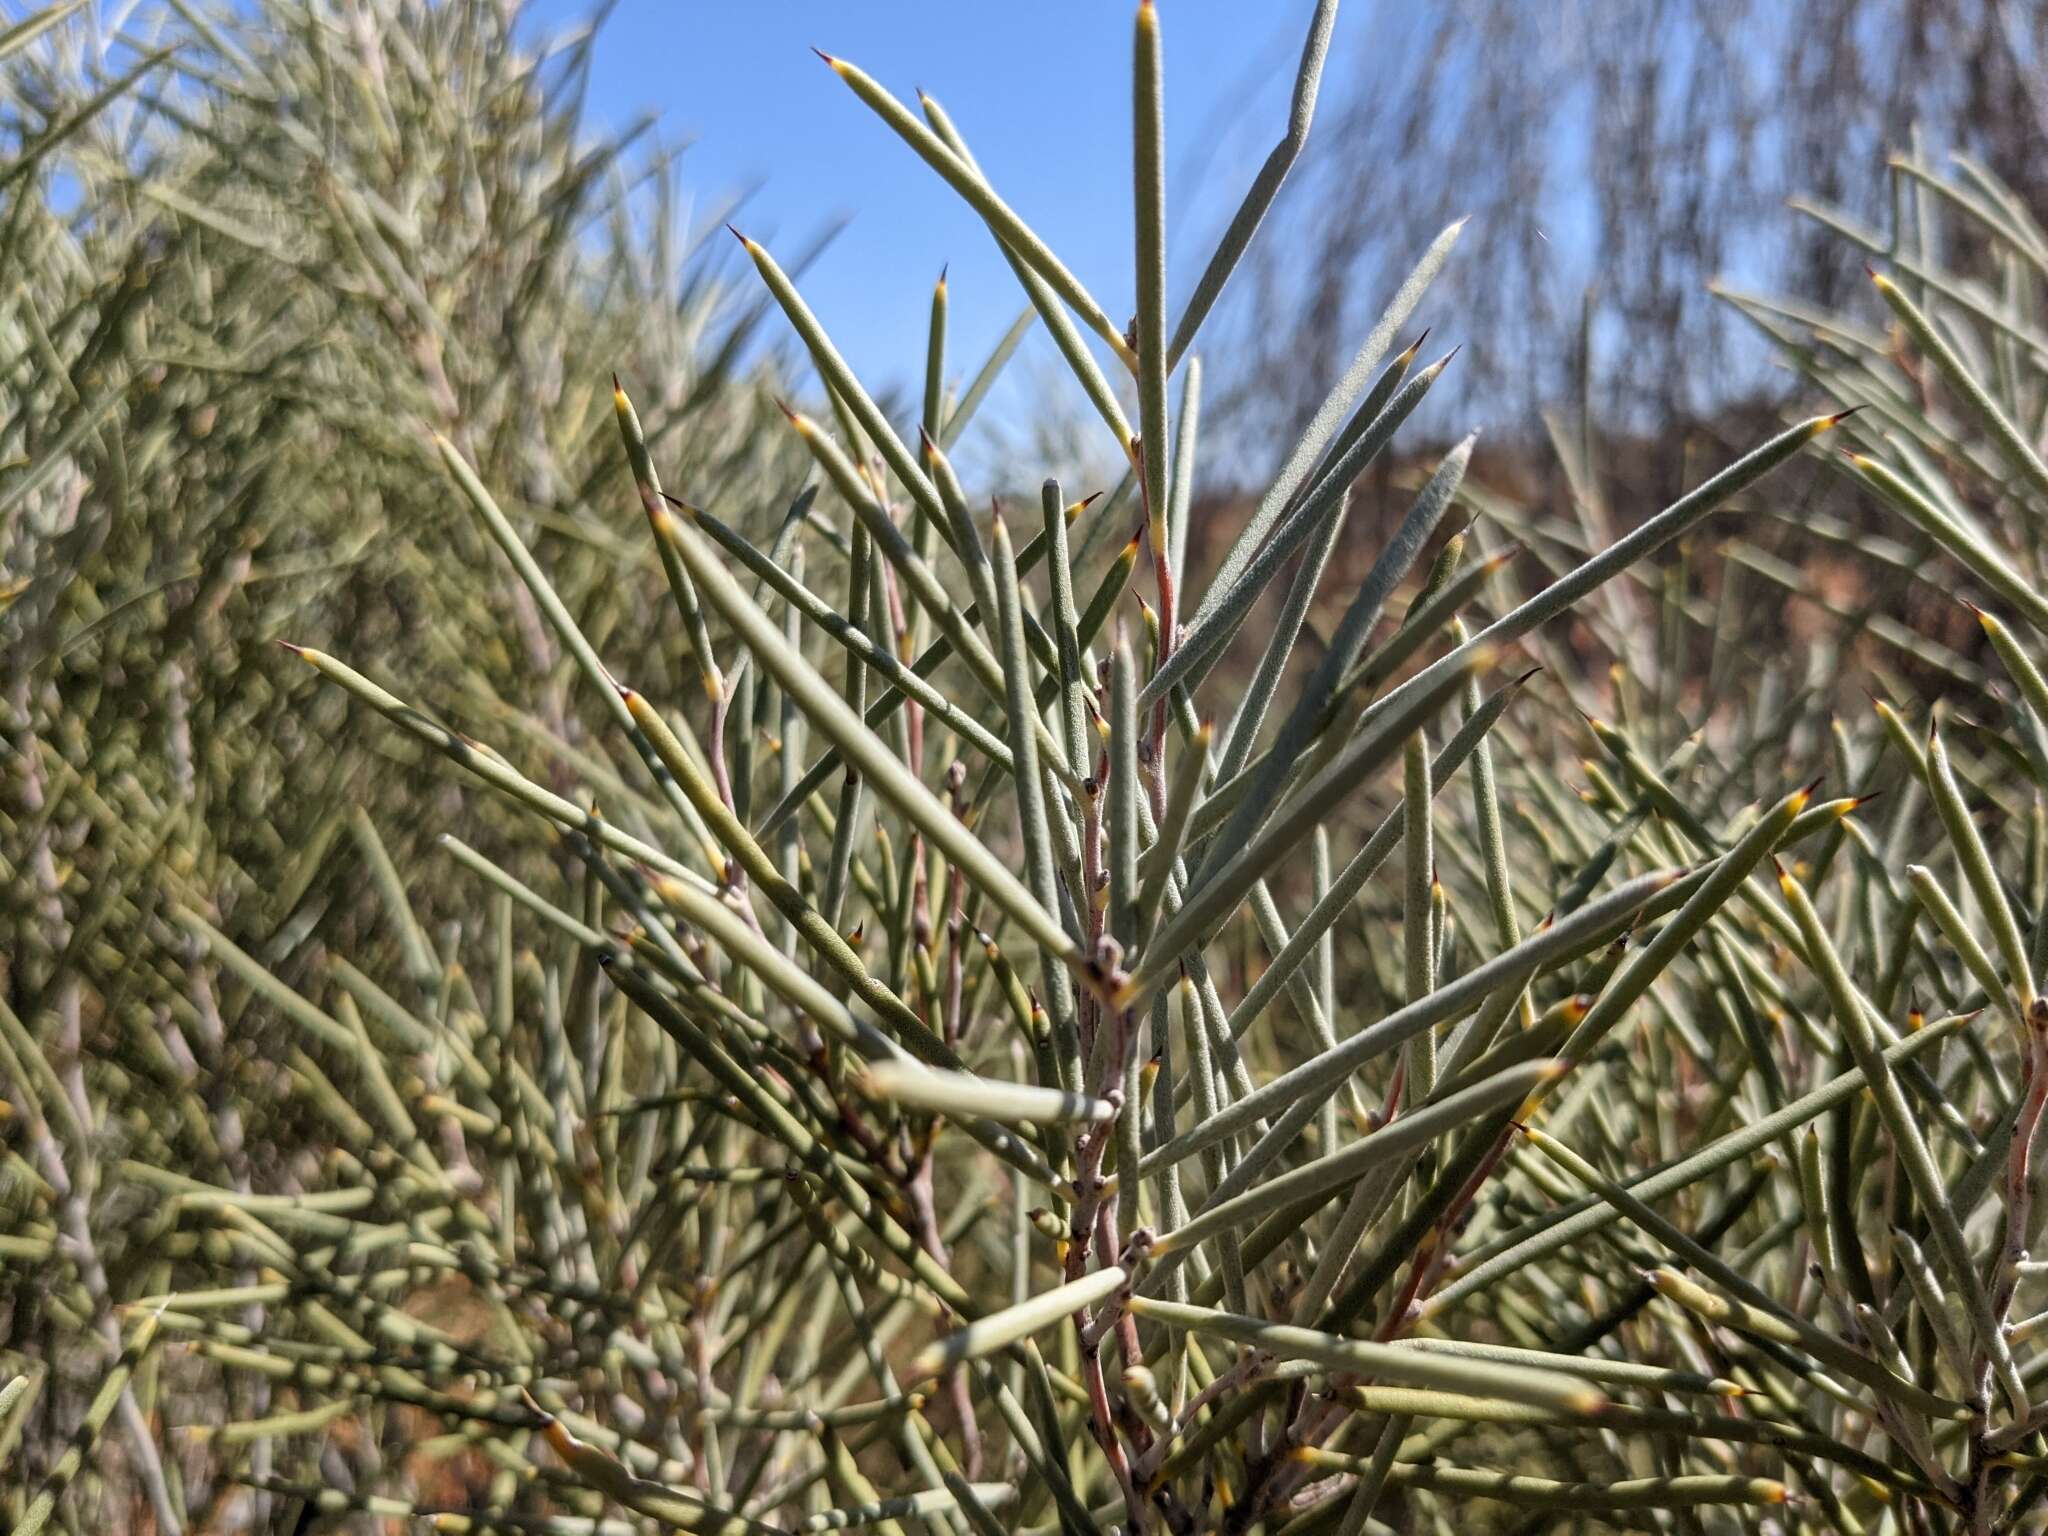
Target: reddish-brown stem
(1436, 1248)
(918, 1189)
(1104, 1425)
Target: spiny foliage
(252, 258)
(930, 1035)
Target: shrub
(900, 1035)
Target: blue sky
(1039, 88)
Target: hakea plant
(964, 1083)
(1243, 1297)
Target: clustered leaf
(799, 1008)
